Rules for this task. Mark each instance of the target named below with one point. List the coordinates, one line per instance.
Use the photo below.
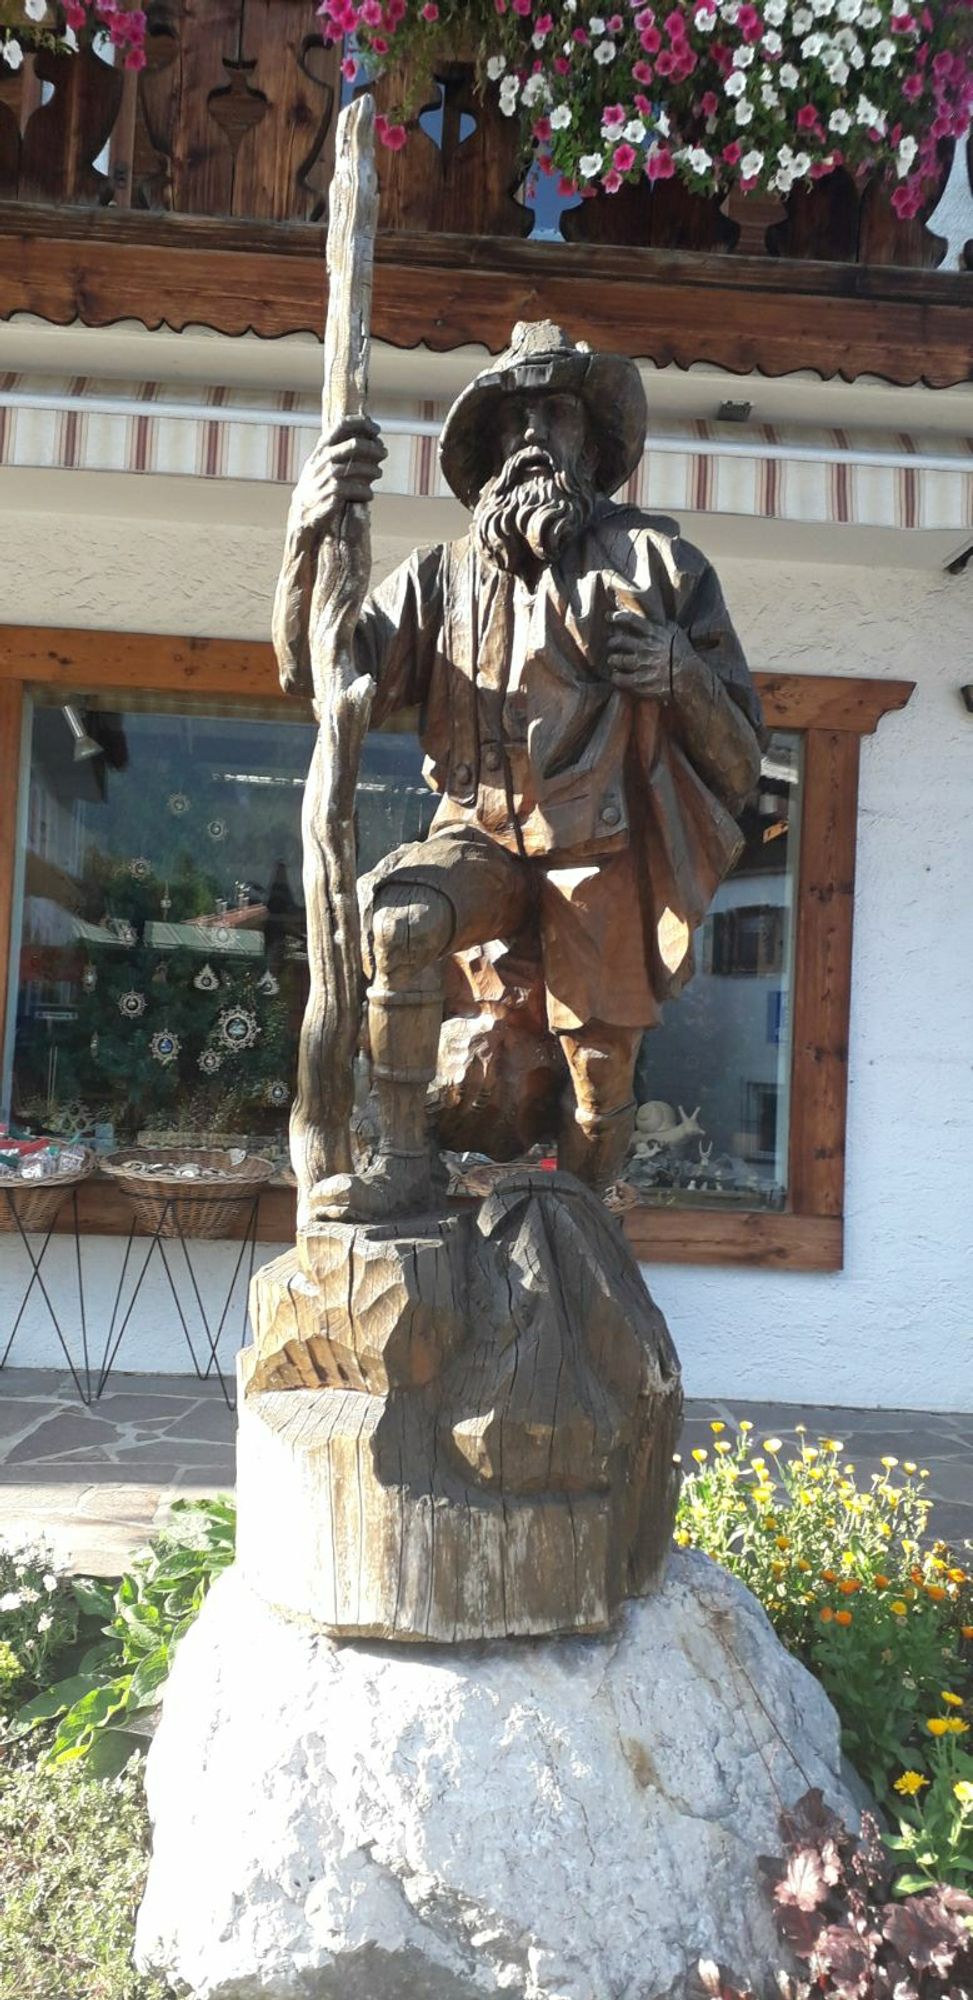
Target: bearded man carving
(587, 717)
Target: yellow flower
(770, 1521)
(843, 1617)
(901, 1610)
(745, 1424)
(912, 1782)
(700, 1456)
(937, 1725)
(773, 1444)
(951, 1700)
(800, 1429)
(889, 1462)
(782, 1542)
(811, 1453)
(803, 1566)
(957, 1576)
(778, 1569)
(682, 1539)
(955, 1727)
(717, 1427)
(963, 1791)
(832, 1444)
(909, 1465)
(722, 1446)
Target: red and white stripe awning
(868, 478)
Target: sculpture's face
(542, 496)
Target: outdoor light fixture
(84, 745)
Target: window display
(160, 945)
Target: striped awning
(865, 477)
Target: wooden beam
(11, 722)
(76, 658)
(754, 1237)
(822, 973)
(739, 313)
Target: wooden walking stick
(320, 1126)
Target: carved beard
(534, 506)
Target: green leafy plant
(103, 1708)
(72, 1869)
(38, 1619)
(847, 1577)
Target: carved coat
(529, 742)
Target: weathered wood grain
(11, 723)
(822, 974)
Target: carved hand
(342, 468)
(655, 661)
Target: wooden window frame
(832, 713)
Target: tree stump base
(461, 1427)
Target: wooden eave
(906, 326)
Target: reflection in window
(713, 1082)
(162, 959)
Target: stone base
(557, 1820)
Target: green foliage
(72, 1868)
(850, 1585)
(103, 1708)
(38, 1620)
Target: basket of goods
(37, 1176)
(179, 1192)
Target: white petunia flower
(596, 24)
(662, 124)
(802, 21)
(882, 54)
(769, 97)
(13, 56)
(561, 118)
(788, 77)
(589, 165)
(35, 10)
(905, 155)
(744, 111)
(856, 56)
(534, 89)
(812, 45)
(839, 121)
(849, 10)
(730, 9)
(751, 164)
(735, 84)
(776, 13)
(50, 1582)
(44, 1622)
(743, 56)
(867, 113)
(634, 132)
(699, 159)
(495, 67)
(822, 8)
(870, 17)
(604, 53)
(771, 44)
(836, 66)
(706, 20)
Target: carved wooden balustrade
(223, 143)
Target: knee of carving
(411, 928)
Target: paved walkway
(96, 1482)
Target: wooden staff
(320, 1126)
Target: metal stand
(36, 1279)
(157, 1240)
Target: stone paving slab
(96, 1483)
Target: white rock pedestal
(568, 1819)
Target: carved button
(491, 757)
(611, 815)
(463, 773)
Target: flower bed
(721, 93)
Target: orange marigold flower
(936, 1591)
(828, 1576)
(916, 1575)
(849, 1585)
(827, 1615)
(966, 1631)
(843, 1617)
(881, 1582)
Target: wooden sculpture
(458, 1421)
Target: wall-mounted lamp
(84, 745)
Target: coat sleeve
(719, 716)
(399, 632)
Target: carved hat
(542, 356)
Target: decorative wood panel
(665, 217)
(462, 181)
(740, 313)
(63, 138)
(822, 972)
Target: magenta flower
(660, 165)
(623, 158)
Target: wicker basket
(37, 1204)
(172, 1206)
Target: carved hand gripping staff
(320, 1117)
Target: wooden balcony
(196, 192)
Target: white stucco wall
(894, 1327)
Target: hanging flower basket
(63, 26)
(760, 95)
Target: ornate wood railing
(234, 116)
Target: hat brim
(610, 387)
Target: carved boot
(403, 1030)
(593, 1144)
